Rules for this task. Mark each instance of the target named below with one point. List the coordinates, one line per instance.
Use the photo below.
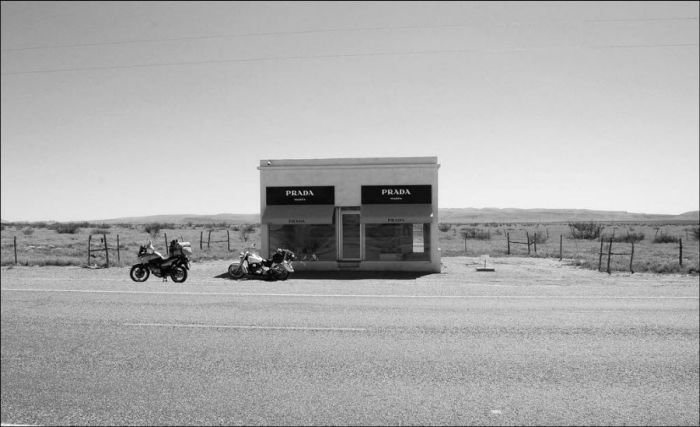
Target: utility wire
(633, 46)
(320, 31)
(685, 18)
(304, 57)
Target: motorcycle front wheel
(178, 274)
(139, 273)
(235, 271)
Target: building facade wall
(348, 176)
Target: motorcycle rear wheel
(178, 274)
(280, 273)
(235, 271)
(139, 273)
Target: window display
(397, 242)
(312, 242)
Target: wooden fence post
(508, 238)
(609, 254)
(561, 240)
(528, 242)
(632, 257)
(119, 258)
(201, 237)
(15, 249)
(535, 242)
(600, 254)
(680, 254)
(209, 239)
(228, 240)
(104, 237)
(89, 248)
(167, 250)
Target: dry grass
(648, 255)
(38, 244)
(44, 246)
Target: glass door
(350, 245)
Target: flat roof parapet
(365, 161)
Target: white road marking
(286, 328)
(251, 294)
(592, 311)
(53, 279)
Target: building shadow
(359, 275)
(345, 275)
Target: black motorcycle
(150, 261)
(251, 264)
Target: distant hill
(185, 218)
(513, 215)
(450, 215)
(691, 216)
(446, 215)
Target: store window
(397, 242)
(310, 242)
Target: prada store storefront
(372, 214)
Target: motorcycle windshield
(251, 252)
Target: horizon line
(552, 210)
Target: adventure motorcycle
(251, 264)
(150, 261)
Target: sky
(121, 109)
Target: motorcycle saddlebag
(277, 258)
(180, 248)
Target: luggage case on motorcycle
(277, 258)
(180, 248)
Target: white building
(368, 214)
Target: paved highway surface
(534, 342)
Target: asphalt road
(534, 342)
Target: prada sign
(300, 195)
(401, 194)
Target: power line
(202, 37)
(633, 46)
(304, 57)
(686, 18)
(319, 31)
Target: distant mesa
(514, 215)
(446, 215)
(185, 218)
(453, 215)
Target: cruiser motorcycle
(150, 261)
(251, 264)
